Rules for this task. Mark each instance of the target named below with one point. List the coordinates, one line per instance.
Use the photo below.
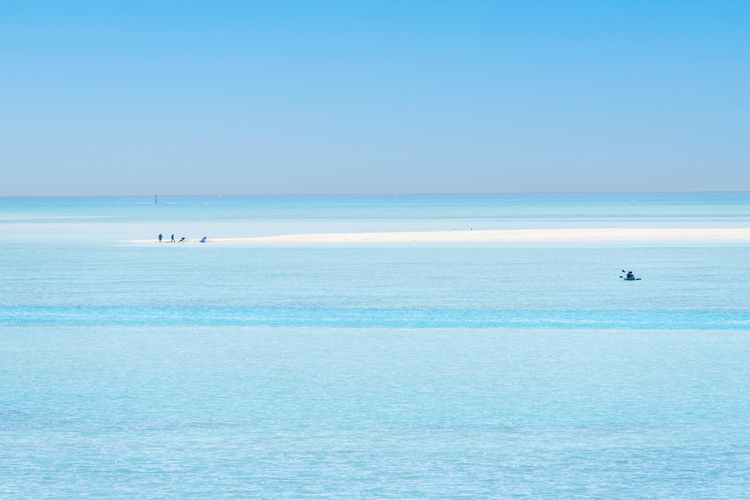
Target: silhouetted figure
(182, 239)
(172, 239)
(204, 239)
(160, 237)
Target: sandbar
(503, 235)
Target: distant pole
(156, 199)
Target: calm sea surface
(382, 370)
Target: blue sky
(381, 97)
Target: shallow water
(340, 371)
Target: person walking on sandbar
(172, 239)
(160, 237)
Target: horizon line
(257, 195)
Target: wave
(376, 318)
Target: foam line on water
(387, 318)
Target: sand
(506, 235)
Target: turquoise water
(350, 371)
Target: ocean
(442, 370)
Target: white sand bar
(541, 235)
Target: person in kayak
(629, 276)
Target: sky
(327, 97)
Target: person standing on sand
(159, 237)
(172, 239)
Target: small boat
(629, 276)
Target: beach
(486, 236)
